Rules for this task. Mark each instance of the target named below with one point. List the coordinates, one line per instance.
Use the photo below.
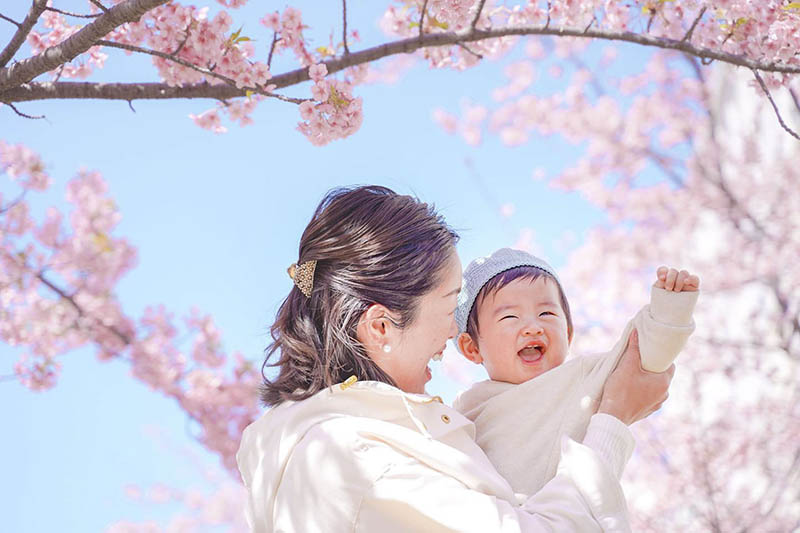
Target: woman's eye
(508, 316)
(547, 313)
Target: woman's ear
(469, 348)
(376, 331)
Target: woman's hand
(631, 393)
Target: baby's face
(522, 330)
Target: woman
(353, 443)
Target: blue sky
(216, 220)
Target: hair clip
(303, 276)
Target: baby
(514, 319)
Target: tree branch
(23, 115)
(774, 106)
(12, 21)
(422, 17)
(22, 32)
(69, 14)
(344, 27)
(688, 36)
(128, 91)
(477, 15)
(76, 44)
(103, 8)
(70, 300)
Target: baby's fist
(673, 280)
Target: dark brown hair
(502, 279)
(371, 245)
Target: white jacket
(371, 458)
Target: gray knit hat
(483, 269)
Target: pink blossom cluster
(57, 293)
(288, 29)
(38, 259)
(21, 163)
(57, 30)
(333, 114)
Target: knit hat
(483, 269)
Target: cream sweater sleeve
(664, 327)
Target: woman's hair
(371, 245)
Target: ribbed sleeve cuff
(672, 308)
(611, 439)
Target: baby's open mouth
(532, 353)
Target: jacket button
(445, 419)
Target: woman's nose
(453, 329)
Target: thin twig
(130, 104)
(775, 107)
(16, 200)
(12, 21)
(688, 36)
(467, 48)
(272, 48)
(795, 98)
(477, 14)
(103, 8)
(422, 13)
(59, 73)
(594, 19)
(183, 42)
(69, 14)
(22, 32)
(70, 300)
(344, 27)
(23, 115)
(163, 55)
(202, 70)
(547, 24)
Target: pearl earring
(387, 348)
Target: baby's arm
(666, 323)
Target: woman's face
(426, 336)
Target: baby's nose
(533, 329)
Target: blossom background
(202, 223)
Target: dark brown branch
(70, 300)
(795, 98)
(774, 106)
(69, 14)
(129, 91)
(208, 72)
(166, 56)
(468, 49)
(422, 13)
(688, 36)
(272, 48)
(23, 115)
(477, 14)
(103, 8)
(76, 44)
(12, 21)
(344, 27)
(22, 32)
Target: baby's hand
(673, 280)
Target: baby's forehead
(521, 290)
